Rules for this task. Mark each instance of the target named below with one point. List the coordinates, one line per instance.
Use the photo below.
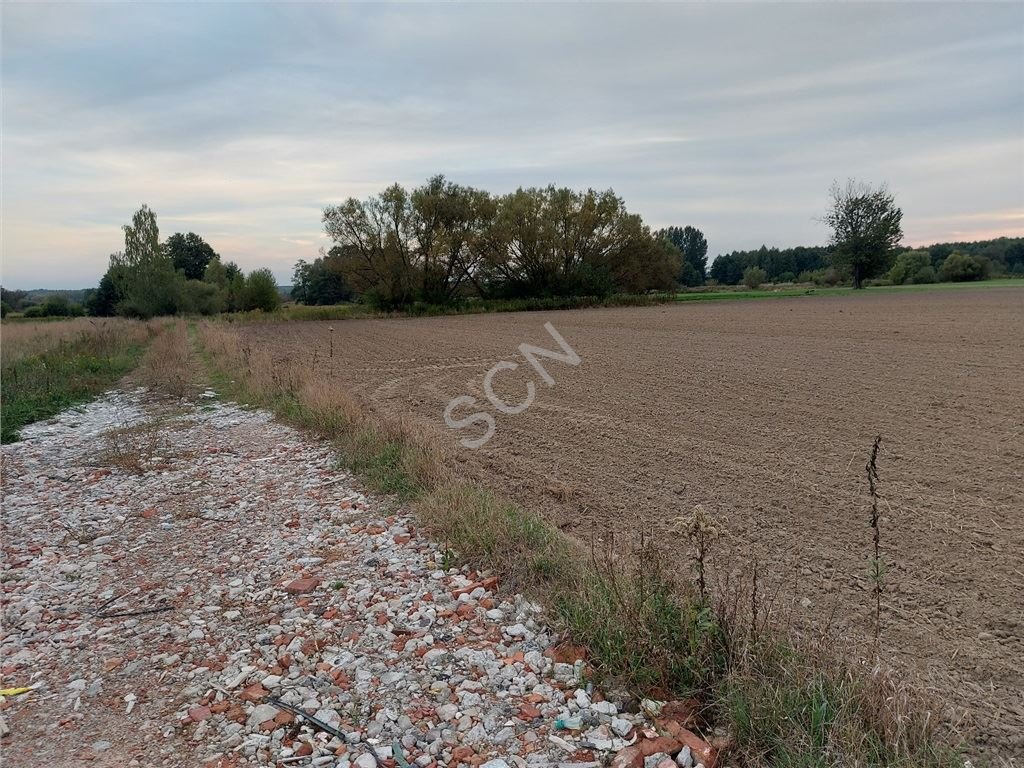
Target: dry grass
(136, 448)
(50, 366)
(170, 366)
(391, 453)
(27, 339)
(641, 616)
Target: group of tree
(942, 262)
(443, 242)
(694, 249)
(321, 281)
(866, 229)
(959, 262)
(866, 232)
(784, 265)
(181, 275)
(43, 303)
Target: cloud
(242, 121)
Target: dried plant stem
(877, 567)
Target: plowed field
(764, 412)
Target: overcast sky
(241, 121)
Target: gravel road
(179, 579)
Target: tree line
(182, 275)
(443, 242)
(941, 262)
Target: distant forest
(1002, 256)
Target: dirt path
(167, 567)
(764, 412)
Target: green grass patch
(739, 293)
(638, 626)
(804, 710)
(641, 629)
(496, 534)
(473, 306)
(380, 462)
(40, 386)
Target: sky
(240, 122)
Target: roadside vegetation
(47, 367)
(643, 621)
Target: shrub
(34, 311)
(959, 267)
(826, 277)
(830, 277)
(925, 274)
(754, 276)
(200, 297)
(261, 291)
(3, 309)
(907, 265)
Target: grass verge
(48, 368)
(704, 293)
(643, 622)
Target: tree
(261, 291)
(960, 267)
(445, 241)
(447, 223)
(753, 277)
(15, 300)
(60, 306)
(694, 249)
(199, 296)
(190, 254)
(105, 300)
(375, 240)
(728, 268)
(320, 281)
(866, 229)
(235, 299)
(561, 242)
(912, 267)
(148, 282)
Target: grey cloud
(242, 121)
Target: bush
(4, 309)
(34, 311)
(925, 274)
(959, 268)
(830, 277)
(907, 265)
(753, 277)
(200, 297)
(261, 291)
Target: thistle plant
(701, 531)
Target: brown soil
(764, 412)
